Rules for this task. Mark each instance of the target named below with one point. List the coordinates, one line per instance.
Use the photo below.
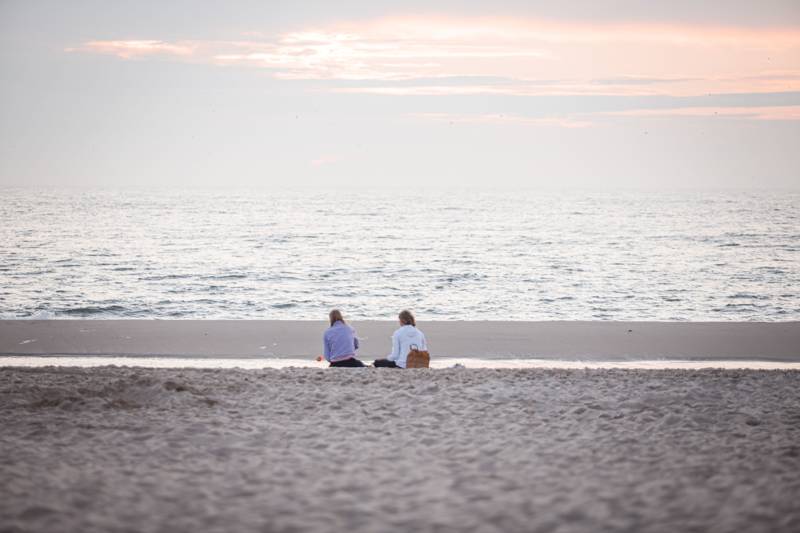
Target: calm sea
(516, 255)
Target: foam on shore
(441, 363)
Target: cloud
(565, 121)
(326, 160)
(585, 120)
(631, 86)
(605, 58)
(639, 80)
(131, 49)
(752, 113)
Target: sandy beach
(121, 449)
(228, 229)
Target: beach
(519, 426)
(132, 449)
(227, 229)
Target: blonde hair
(407, 318)
(336, 315)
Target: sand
(121, 449)
(590, 341)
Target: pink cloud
(752, 113)
(585, 120)
(325, 160)
(566, 121)
(597, 87)
(688, 59)
(136, 48)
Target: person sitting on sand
(340, 342)
(406, 336)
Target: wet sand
(152, 450)
(589, 341)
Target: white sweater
(402, 340)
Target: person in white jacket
(402, 340)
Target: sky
(585, 94)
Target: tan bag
(418, 358)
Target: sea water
(446, 254)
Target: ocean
(447, 255)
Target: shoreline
(492, 340)
(278, 363)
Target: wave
(166, 276)
(745, 296)
(93, 310)
(227, 276)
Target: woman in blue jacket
(340, 342)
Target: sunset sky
(508, 93)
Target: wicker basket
(418, 358)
